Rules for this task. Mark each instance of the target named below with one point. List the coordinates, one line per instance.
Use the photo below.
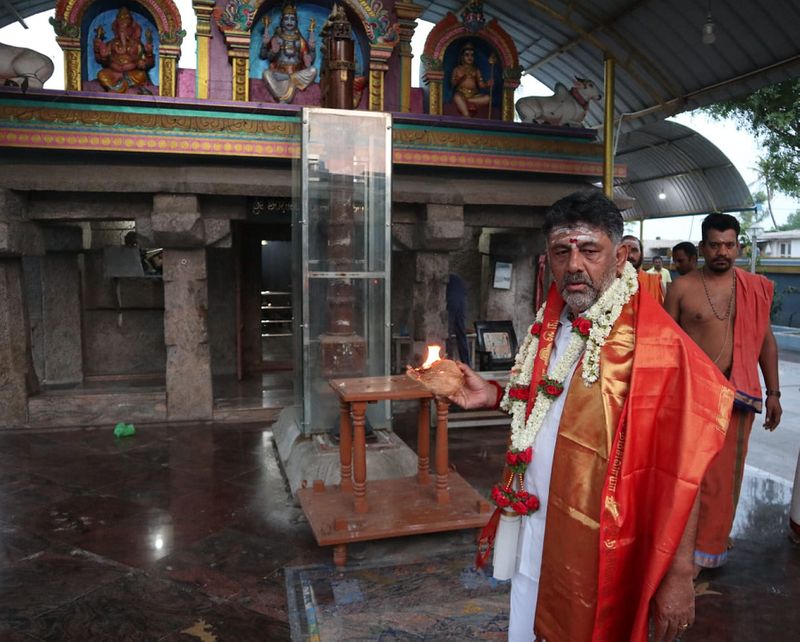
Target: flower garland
(589, 333)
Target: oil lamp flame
(433, 356)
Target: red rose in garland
(582, 326)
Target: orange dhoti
(720, 493)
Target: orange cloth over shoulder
(753, 306)
(672, 425)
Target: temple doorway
(264, 299)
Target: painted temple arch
(441, 53)
(78, 24)
(241, 22)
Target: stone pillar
(16, 371)
(407, 14)
(429, 303)
(441, 232)
(178, 227)
(17, 376)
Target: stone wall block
(176, 221)
(12, 204)
(62, 238)
(125, 342)
(61, 311)
(443, 227)
(217, 232)
(516, 245)
(20, 238)
(184, 265)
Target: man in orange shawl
(726, 311)
(650, 283)
(617, 461)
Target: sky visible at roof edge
(739, 146)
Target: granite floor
(186, 532)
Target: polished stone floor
(184, 532)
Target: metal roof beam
(14, 12)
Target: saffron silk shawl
(630, 456)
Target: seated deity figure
(468, 83)
(291, 57)
(125, 58)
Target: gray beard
(581, 301)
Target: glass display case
(343, 227)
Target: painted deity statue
(125, 58)
(291, 57)
(468, 83)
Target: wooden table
(352, 511)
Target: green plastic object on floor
(124, 430)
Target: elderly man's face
(584, 262)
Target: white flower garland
(603, 314)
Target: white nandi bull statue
(24, 67)
(566, 107)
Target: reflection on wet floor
(189, 528)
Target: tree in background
(792, 222)
(772, 114)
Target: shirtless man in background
(727, 312)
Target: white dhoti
(282, 86)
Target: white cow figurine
(24, 67)
(566, 107)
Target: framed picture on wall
(502, 276)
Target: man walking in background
(659, 270)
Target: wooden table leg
(442, 463)
(360, 457)
(345, 446)
(340, 555)
(424, 441)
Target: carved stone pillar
(179, 228)
(407, 14)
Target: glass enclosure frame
(342, 235)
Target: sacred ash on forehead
(574, 234)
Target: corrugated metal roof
(694, 175)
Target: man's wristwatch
(773, 393)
